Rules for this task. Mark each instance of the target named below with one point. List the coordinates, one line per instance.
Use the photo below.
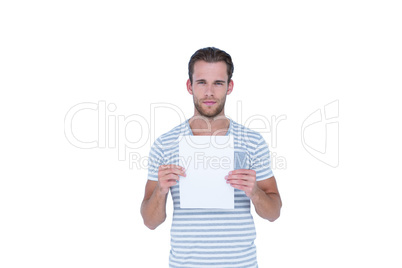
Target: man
(206, 237)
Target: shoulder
(247, 135)
(169, 138)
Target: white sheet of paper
(207, 160)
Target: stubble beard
(209, 113)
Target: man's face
(210, 87)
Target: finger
(169, 184)
(243, 171)
(240, 177)
(171, 177)
(174, 170)
(170, 166)
(239, 187)
(173, 183)
(238, 182)
(244, 179)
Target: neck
(205, 126)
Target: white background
(62, 206)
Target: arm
(264, 194)
(266, 199)
(153, 207)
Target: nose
(209, 90)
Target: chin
(210, 113)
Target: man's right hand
(168, 175)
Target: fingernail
(230, 172)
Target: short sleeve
(156, 159)
(261, 160)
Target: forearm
(267, 206)
(153, 210)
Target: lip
(209, 103)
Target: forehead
(211, 70)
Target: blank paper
(207, 160)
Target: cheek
(197, 94)
(195, 98)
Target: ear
(230, 87)
(189, 87)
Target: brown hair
(210, 54)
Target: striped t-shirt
(213, 237)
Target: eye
(219, 83)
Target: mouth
(209, 103)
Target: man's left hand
(243, 179)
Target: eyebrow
(216, 81)
(220, 81)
